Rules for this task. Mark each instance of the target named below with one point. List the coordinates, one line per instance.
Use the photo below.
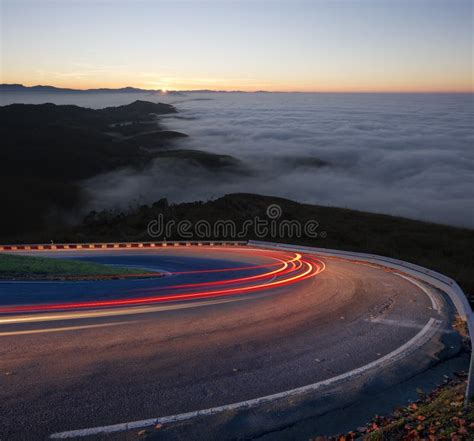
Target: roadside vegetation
(44, 268)
(437, 416)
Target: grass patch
(44, 268)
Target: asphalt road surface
(224, 325)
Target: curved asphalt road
(226, 324)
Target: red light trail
(288, 269)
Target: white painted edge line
(418, 340)
(434, 300)
(403, 324)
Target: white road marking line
(418, 340)
(110, 313)
(64, 328)
(401, 323)
(434, 300)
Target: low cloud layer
(407, 155)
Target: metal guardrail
(115, 245)
(440, 281)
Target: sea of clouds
(404, 154)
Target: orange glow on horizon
(462, 88)
(436, 84)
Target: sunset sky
(318, 45)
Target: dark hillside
(48, 149)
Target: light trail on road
(291, 268)
(227, 329)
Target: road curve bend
(227, 331)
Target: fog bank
(403, 154)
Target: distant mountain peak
(40, 88)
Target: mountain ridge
(16, 87)
(6, 87)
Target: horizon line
(165, 91)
